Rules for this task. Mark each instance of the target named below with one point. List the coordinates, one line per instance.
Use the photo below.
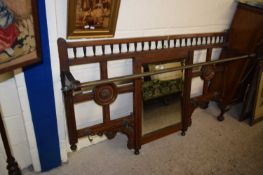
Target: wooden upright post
(12, 166)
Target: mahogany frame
(167, 48)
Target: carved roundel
(207, 72)
(105, 94)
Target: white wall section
(16, 116)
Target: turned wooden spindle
(12, 165)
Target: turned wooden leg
(71, 121)
(223, 109)
(187, 122)
(12, 166)
(184, 131)
(221, 116)
(130, 144)
(73, 147)
(129, 132)
(110, 135)
(137, 151)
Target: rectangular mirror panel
(161, 97)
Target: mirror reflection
(161, 97)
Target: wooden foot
(136, 151)
(12, 167)
(184, 129)
(110, 135)
(223, 111)
(73, 147)
(221, 117)
(223, 108)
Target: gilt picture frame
(19, 34)
(92, 18)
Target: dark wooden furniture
(257, 103)
(12, 166)
(142, 51)
(168, 56)
(245, 37)
(252, 105)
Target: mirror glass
(161, 95)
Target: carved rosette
(105, 94)
(207, 72)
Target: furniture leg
(137, 151)
(223, 109)
(71, 122)
(12, 165)
(183, 132)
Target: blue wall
(41, 98)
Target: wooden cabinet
(245, 37)
(246, 31)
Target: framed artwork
(92, 18)
(19, 34)
(253, 100)
(256, 3)
(258, 105)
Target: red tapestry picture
(18, 39)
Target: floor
(209, 148)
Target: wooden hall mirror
(161, 98)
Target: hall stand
(12, 165)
